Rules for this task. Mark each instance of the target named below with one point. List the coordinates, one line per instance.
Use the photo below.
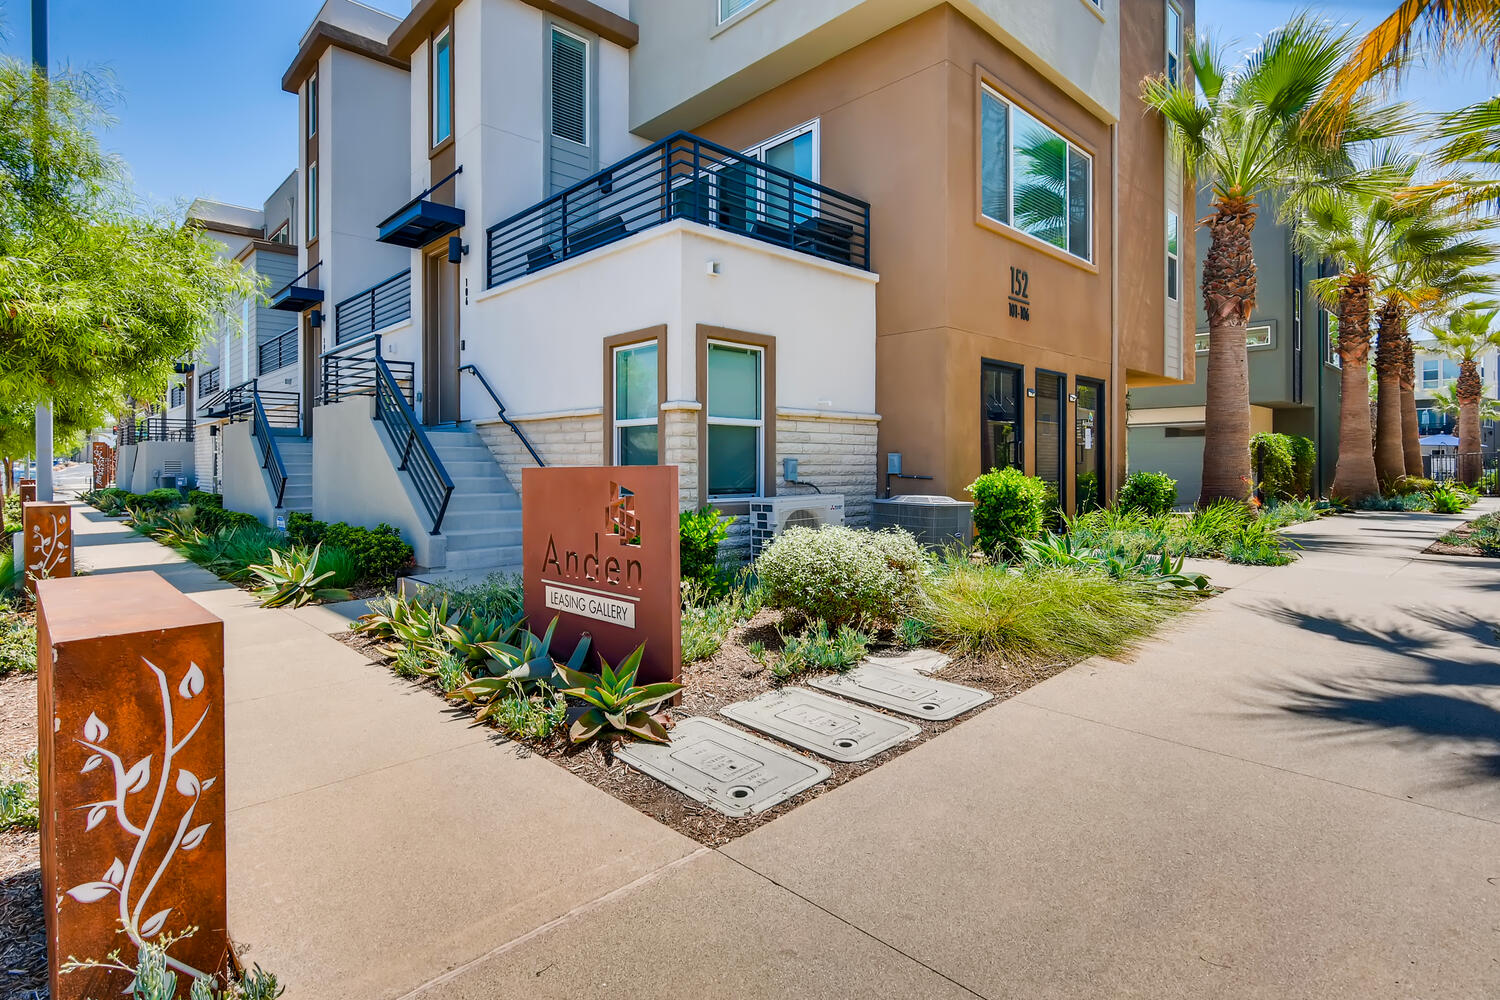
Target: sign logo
(1020, 290)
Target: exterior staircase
(482, 527)
(296, 456)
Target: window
(1034, 180)
(282, 233)
(1450, 369)
(1174, 44)
(1255, 336)
(1051, 410)
(1330, 324)
(312, 105)
(1000, 416)
(570, 87)
(736, 421)
(1088, 443)
(1172, 257)
(636, 404)
(442, 87)
(312, 201)
(729, 8)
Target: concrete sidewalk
(1295, 792)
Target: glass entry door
(1051, 410)
(1089, 478)
(1000, 417)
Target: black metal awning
(420, 221)
(293, 297)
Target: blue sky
(202, 112)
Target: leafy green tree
(98, 296)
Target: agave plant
(292, 580)
(382, 619)
(422, 627)
(524, 667)
(473, 632)
(618, 709)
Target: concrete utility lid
(926, 661)
(904, 691)
(827, 726)
(734, 772)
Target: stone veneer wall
(566, 439)
(679, 423)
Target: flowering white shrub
(843, 575)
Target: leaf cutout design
(192, 684)
(94, 730)
(136, 777)
(96, 816)
(91, 892)
(153, 926)
(195, 836)
(93, 762)
(116, 873)
(187, 782)
(208, 783)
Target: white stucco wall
(245, 485)
(150, 457)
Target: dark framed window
(1090, 446)
(1001, 428)
(1052, 431)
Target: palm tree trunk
(1468, 390)
(1354, 476)
(1411, 445)
(1390, 458)
(1228, 298)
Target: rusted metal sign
(600, 550)
(47, 540)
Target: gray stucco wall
(1179, 457)
(124, 465)
(151, 457)
(244, 481)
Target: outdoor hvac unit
(170, 477)
(935, 521)
(773, 515)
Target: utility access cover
(835, 729)
(904, 691)
(924, 661)
(734, 772)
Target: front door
(309, 350)
(440, 338)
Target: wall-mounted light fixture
(1031, 393)
(457, 248)
(315, 319)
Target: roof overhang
(427, 16)
(322, 36)
(296, 298)
(418, 223)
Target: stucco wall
(150, 458)
(125, 465)
(245, 486)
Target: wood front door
(440, 338)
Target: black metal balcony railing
(682, 177)
(156, 427)
(177, 397)
(208, 383)
(377, 307)
(276, 353)
(238, 402)
(350, 370)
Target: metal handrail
(276, 353)
(419, 459)
(503, 418)
(304, 274)
(454, 173)
(270, 454)
(681, 177)
(349, 370)
(383, 304)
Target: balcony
(276, 353)
(208, 383)
(294, 297)
(377, 307)
(681, 177)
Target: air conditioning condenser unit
(771, 516)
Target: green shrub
(159, 499)
(530, 717)
(340, 564)
(380, 551)
(18, 800)
(1279, 513)
(230, 552)
(12, 512)
(1407, 485)
(817, 649)
(17, 643)
(706, 620)
(1272, 463)
(842, 575)
(1304, 464)
(214, 518)
(496, 596)
(1009, 507)
(1407, 502)
(701, 532)
(1151, 493)
(1446, 500)
(203, 498)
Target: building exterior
(1436, 373)
(1294, 370)
(715, 234)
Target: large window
(1173, 258)
(736, 419)
(312, 201)
(312, 105)
(1174, 44)
(1435, 372)
(442, 87)
(1088, 443)
(1255, 336)
(1034, 180)
(636, 404)
(1000, 416)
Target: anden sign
(601, 556)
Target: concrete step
(472, 520)
(502, 559)
(473, 467)
(491, 482)
(481, 538)
(484, 501)
(464, 453)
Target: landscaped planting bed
(23, 944)
(1480, 537)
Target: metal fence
(277, 353)
(1480, 469)
(377, 307)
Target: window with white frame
(636, 404)
(1033, 179)
(1174, 44)
(1172, 256)
(1255, 336)
(736, 419)
(729, 8)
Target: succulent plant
(292, 578)
(618, 708)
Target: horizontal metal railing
(177, 396)
(1476, 468)
(270, 453)
(276, 353)
(350, 370)
(208, 383)
(282, 406)
(381, 305)
(156, 427)
(681, 177)
(419, 459)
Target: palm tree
(1250, 129)
(1411, 432)
(1445, 401)
(1440, 27)
(1468, 334)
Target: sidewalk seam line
(853, 926)
(577, 911)
(1254, 763)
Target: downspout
(1117, 448)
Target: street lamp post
(43, 409)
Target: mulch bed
(729, 676)
(23, 943)
(1463, 531)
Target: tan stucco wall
(898, 119)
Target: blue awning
(1438, 441)
(419, 223)
(296, 298)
